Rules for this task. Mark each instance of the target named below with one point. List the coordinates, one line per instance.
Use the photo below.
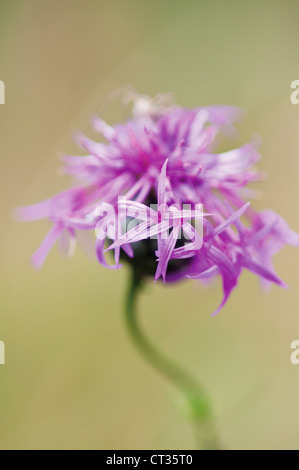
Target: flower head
(144, 188)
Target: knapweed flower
(135, 184)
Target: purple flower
(165, 156)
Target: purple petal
(100, 245)
(33, 212)
(41, 254)
(103, 128)
(230, 274)
(162, 185)
(228, 222)
(165, 255)
(211, 272)
(263, 272)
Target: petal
(103, 128)
(68, 242)
(211, 272)
(140, 232)
(230, 274)
(137, 210)
(41, 254)
(167, 252)
(33, 212)
(128, 250)
(100, 245)
(162, 186)
(262, 271)
(183, 253)
(197, 125)
(193, 235)
(144, 192)
(220, 228)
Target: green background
(72, 379)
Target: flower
(166, 156)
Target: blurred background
(72, 378)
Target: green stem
(195, 395)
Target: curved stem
(195, 395)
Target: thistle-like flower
(133, 190)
